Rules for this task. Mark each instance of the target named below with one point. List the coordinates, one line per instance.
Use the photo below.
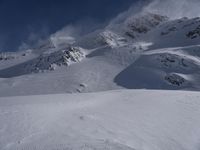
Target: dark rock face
(143, 24)
(194, 33)
(45, 62)
(169, 60)
(169, 30)
(175, 79)
(59, 58)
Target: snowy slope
(169, 68)
(146, 51)
(115, 120)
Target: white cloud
(175, 8)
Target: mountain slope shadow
(137, 77)
(16, 70)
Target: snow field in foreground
(113, 120)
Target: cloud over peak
(174, 8)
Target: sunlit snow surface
(114, 120)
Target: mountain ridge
(147, 51)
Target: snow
(123, 119)
(157, 53)
(145, 51)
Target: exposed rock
(143, 24)
(169, 30)
(112, 39)
(175, 79)
(171, 60)
(194, 33)
(59, 58)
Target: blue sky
(19, 18)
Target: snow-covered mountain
(144, 51)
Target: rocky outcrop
(175, 79)
(59, 58)
(194, 33)
(143, 24)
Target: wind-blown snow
(141, 51)
(174, 8)
(115, 120)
